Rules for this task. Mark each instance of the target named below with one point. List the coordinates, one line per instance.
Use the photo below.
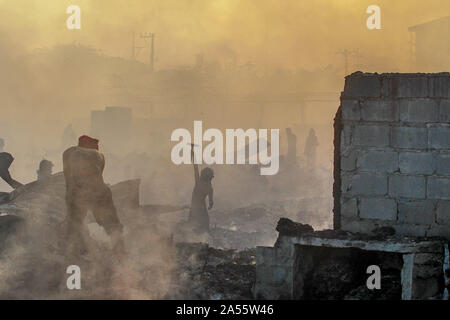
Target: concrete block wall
(392, 154)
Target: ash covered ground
(164, 260)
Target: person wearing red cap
(88, 142)
(85, 190)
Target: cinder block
(419, 110)
(438, 188)
(371, 135)
(349, 207)
(346, 183)
(439, 231)
(378, 208)
(358, 225)
(443, 213)
(439, 137)
(444, 111)
(378, 161)
(362, 85)
(409, 138)
(405, 87)
(411, 230)
(379, 110)
(346, 136)
(415, 162)
(348, 163)
(407, 186)
(434, 259)
(350, 109)
(440, 86)
(443, 164)
(412, 87)
(419, 212)
(426, 271)
(368, 184)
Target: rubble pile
(252, 226)
(32, 220)
(290, 228)
(315, 211)
(161, 265)
(208, 273)
(32, 263)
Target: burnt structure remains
(391, 199)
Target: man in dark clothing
(311, 148)
(5, 162)
(86, 190)
(45, 170)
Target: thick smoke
(231, 63)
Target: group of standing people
(310, 151)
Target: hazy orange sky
(40, 97)
(290, 33)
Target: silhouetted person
(5, 162)
(198, 215)
(45, 170)
(86, 190)
(311, 148)
(292, 147)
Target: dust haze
(230, 63)
(52, 75)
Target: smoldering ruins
(364, 167)
(390, 210)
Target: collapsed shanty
(391, 209)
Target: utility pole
(358, 56)
(346, 53)
(134, 47)
(150, 36)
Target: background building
(113, 127)
(430, 45)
